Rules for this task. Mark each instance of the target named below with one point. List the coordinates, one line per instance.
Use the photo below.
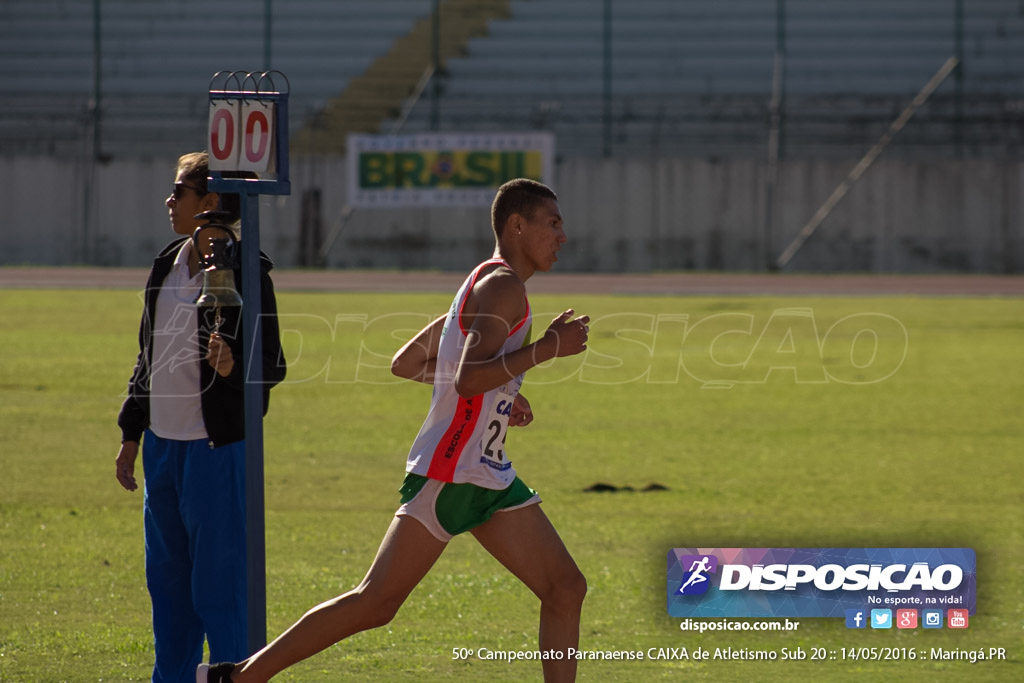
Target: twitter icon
(881, 618)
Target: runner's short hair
(520, 196)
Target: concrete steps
(379, 93)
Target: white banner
(449, 169)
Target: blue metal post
(249, 192)
(255, 526)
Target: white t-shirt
(175, 410)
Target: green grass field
(907, 436)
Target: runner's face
(543, 235)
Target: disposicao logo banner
(817, 582)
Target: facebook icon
(856, 618)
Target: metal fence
(612, 78)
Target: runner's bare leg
(406, 554)
(526, 543)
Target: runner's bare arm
(417, 360)
(496, 304)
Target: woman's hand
(218, 355)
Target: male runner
(458, 476)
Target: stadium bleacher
(687, 77)
(695, 78)
(158, 58)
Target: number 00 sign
(241, 136)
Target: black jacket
(222, 398)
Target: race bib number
(497, 429)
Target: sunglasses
(179, 190)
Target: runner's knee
(374, 608)
(577, 587)
(568, 590)
(381, 615)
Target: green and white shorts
(448, 510)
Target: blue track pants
(195, 553)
